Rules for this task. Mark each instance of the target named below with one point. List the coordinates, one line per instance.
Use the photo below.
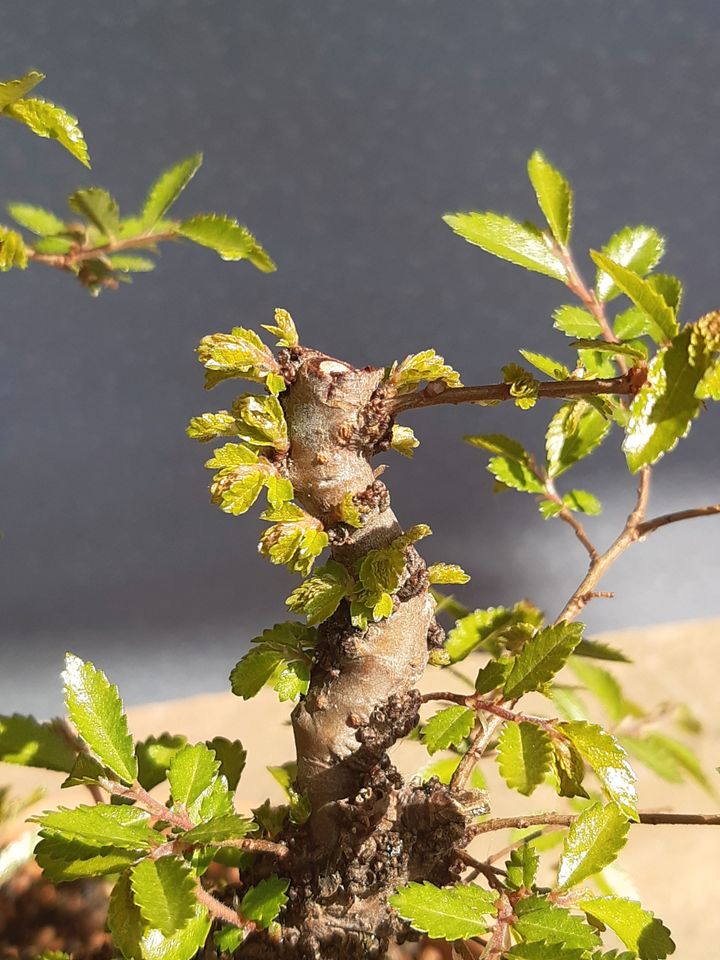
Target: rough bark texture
(369, 832)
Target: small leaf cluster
(156, 854)
(102, 249)
(671, 383)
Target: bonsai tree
(360, 857)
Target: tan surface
(675, 662)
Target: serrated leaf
(154, 756)
(219, 829)
(12, 90)
(515, 474)
(86, 770)
(539, 920)
(232, 757)
(636, 350)
(283, 329)
(522, 867)
(420, 367)
(552, 368)
(228, 938)
(541, 658)
(447, 573)
(167, 188)
(554, 196)
(192, 771)
(448, 727)
(445, 913)
(25, 741)
(493, 675)
(709, 386)
(47, 120)
(575, 322)
(609, 761)
(163, 890)
(686, 759)
(592, 843)
(263, 902)
(261, 421)
(124, 920)
(228, 238)
(242, 493)
(240, 353)
(482, 626)
(98, 208)
(524, 754)
(210, 426)
(569, 768)
(96, 711)
(64, 860)
(542, 950)
(126, 263)
(503, 237)
(638, 249)
(641, 292)
(631, 323)
(637, 928)
(319, 596)
(665, 406)
(102, 825)
(38, 221)
(573, 433)
(599, 650)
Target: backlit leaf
(609, 761)
(637, 248)
(167, 188)
(541, 658)
(642, 293)
(554, 195)
(592, 843)
(25, 741)
(503, 237)
(45, 119)
(523, 756)
(637, 928)
(228, 238)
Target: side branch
(431, 396)
(649, 526)
(567, 819)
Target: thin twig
(495, 392)
(62, 261)
(490, 872)
(221, 911)
(566, 819)
(478, 744)
(649, 526)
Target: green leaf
(654, 755)
(101, 826)
(253, 671)
(604, 686)
(240, 353)
(524, 754)
(541, 658)
(541, 950)
(123, 919)
(665, 406)
(131, 264)
(575, 322)
(96, 711)
(481, 627)
(569, 767)
(263, 902)
(631, 324)
(192, 772)
(448, 727)
(167, 188)
(686, 759)
(154, 756)
(592, 843)
(232, 757)
(228, 938)
(636, 351)
(498, 443)
(515, 474)
(522, 867)
(12, 90)
(98, 207)
(261, 421)
(45, 119)
(242, 494)
(447, 913)
(552, 368)
(637, 928)
(12, 250)
(447, 573)
(503, 237)
(573, 433)
(25, 741)
(609, 761)
(283, 329)
(286, 775)
(642, 293)
(638, 249)
(228, 238)
(35, 219)
(218, 830)
(493, 675)
(209, 426)
(164, 891)
(319, 596)
(86, 770)
(598, 650)
(403, 440)
(64, 860)
(539, 920)
(554, 196)
(582, 501)
(420, 367)
(709, 386)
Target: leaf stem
(221, 911)
(63, 261)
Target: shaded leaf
(450, 913)
(263, 902)
(637, 928)
(540, 920)
(448, 727)
(573, 433)
(164, 891)
(523, 755)
(154, 756)
(25, 741)
(98, 208)
(232, 757)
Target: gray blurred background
(339, 132)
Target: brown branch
(566, 819)
(432, 396)
(649, 526)
(490, 872)
(478, 744)
(62, 261)
(221, 911)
